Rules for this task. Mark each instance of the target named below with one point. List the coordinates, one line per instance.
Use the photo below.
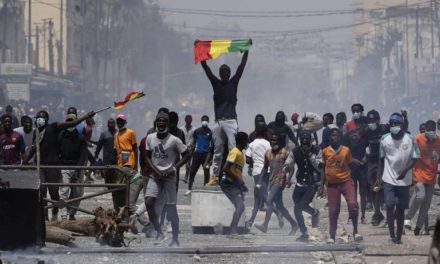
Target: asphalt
(273, 247)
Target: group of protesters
(379, 166)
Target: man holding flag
(225, 94)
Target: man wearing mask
(47, 139)
(27, 132)
(374, 134)
(280, 127)
(225, 101)
(73, 152)
(188, 130)
(202, 152)
(126, 155)
(307, 178)
(274, 161)
(359, 120)
(162, 150)
(424, 176)
(12, 147)
(398, 153)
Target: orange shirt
(425, 168)
(123, 144)
(337, 164)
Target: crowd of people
(379, 166)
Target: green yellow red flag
(211, 49)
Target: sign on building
(17, 78)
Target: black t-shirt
(225, 98)
(49, 149)
(374, 138)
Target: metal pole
(60, 66)
(5, 29)
(407, 50)
(37, 48)
(30, 31)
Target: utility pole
(60, 50)
(417, 32)
(37, 48)
(107, 35)
(407, 50)
(432, 29)
(50, 45)
(5, 28)
(44, 42)
(30, 32)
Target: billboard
(17, 78)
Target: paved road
(375, 243)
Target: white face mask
(431, 135)
(395, 130)
(70, 129)
(205, 123)
(121, 128)
(372, 126)
(40, 122)
(356, 115)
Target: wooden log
(59, 236)
(84, 226)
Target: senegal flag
(211, 49)
(130, 97)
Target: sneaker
(72, 218)
(407, 224)
(424, 233)
(187, 193)
(358, 237)
(174, 244)
(54, 218)
(315, 218)
(262, 228)
(377, 219)
(213, 181)
(160, 238)
(303, 238)
(397, 241)
(330, 241)
(417, 231)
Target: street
(375, 248)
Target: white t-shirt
(26, 137)
(188, 134)
(397, 154)
(164, 152)
(256, 151)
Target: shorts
(164, 188)
(372, 172)
(396, 195)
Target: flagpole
(103, 109)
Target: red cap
(294, 117)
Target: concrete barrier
(211, 212)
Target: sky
(293, 23)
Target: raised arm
(75, 122)
(240, 68)
(208, 72)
